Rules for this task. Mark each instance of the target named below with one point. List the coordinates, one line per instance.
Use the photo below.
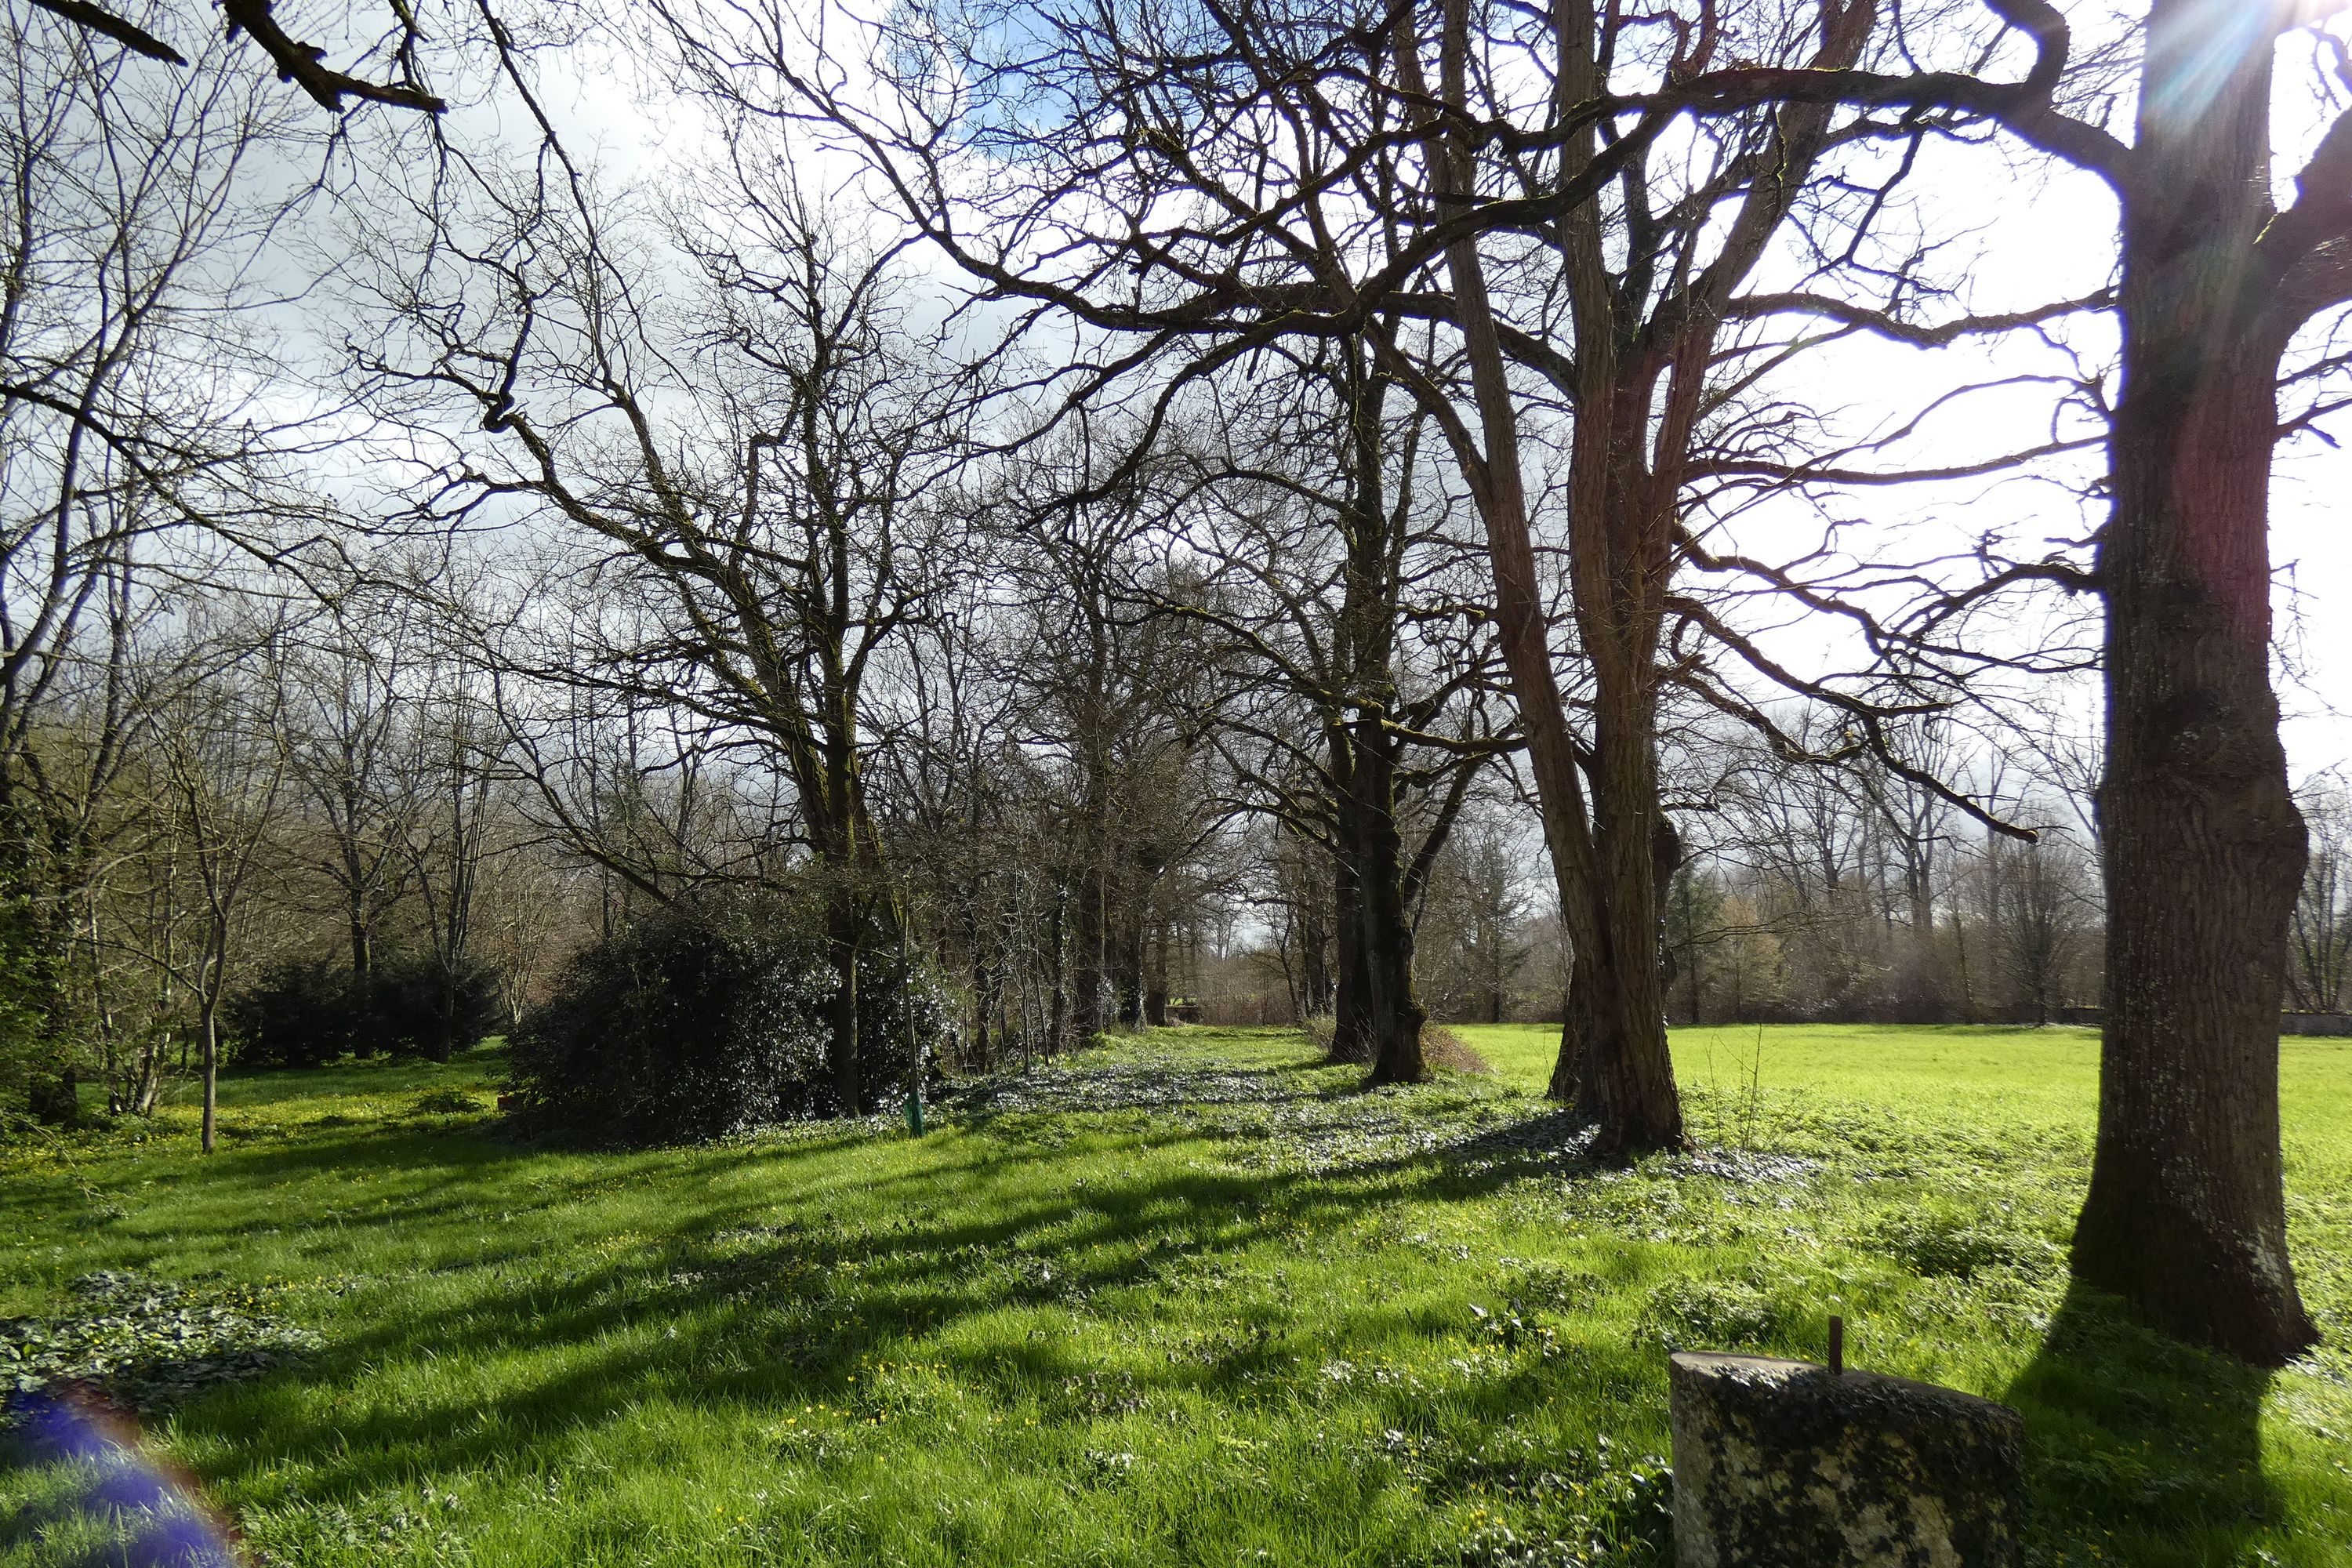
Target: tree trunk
(210, 1026)
(1378, 1017)
(1128, 965)
(1613, 1048)
(1621, 1032)
(1155, 984)
(2185, 1216)
(840, 1045)
(1351, 1019)
(1393, 1012)
(1314, 986)
(1572, 1081)
(444, 1043)
(2205, 849)
(1056, 982)
(985, 987)
(140, 1100)
(1087, 967)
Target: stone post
(1783, 1464)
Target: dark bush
(418, 1005)
(37, 1080)
(695, 1024)
(303, 1013)
(300, 1013)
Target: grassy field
(1188, 1299)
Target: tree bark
(1057, 980)
(841, 943)
(210, 1026)
(1087, 955)
(1314, 986)
(1351, 1023)
(1617, 1053)
(2205, 849)
(1351, 1018)
(1129, 963)
(1155, 981)
(1393, 1013)
(985, 990)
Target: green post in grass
(915, 1109)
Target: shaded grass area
(1188, 1299)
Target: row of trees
(1574, 209)
(1207, 416)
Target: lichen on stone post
(1783, 1464)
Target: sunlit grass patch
(1191, 1298)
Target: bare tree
(1338, 586)
(2203, 849)
(218, 740)
(2039, 900)
(448, 837)
(752, 472)
(294, 61)
(2322, 925)
(1120, 688)
(1470, 929)
(1340, 187)
(347, 711)
(135, 448)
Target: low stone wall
(1782, 1464)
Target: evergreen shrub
(697, 1022)
(307, 1011)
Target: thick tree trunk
(1393, 1012)
(1155, 980)
(1614, 1046)
(1573, 1080)
(2185, 1216)
(1379, 1017)
(1351, 1018)
(1128, 967)
(1315, 984)
(1622, 1031)
(1087, 957)
(2204, 847)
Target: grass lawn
(1188, 1299)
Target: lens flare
(158, 1511)
(2197, 49)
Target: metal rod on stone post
(1783, 1464)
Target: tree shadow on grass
(2140, 1450)
(763, 1315)
(724, 1308)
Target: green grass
(1195, 1300)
